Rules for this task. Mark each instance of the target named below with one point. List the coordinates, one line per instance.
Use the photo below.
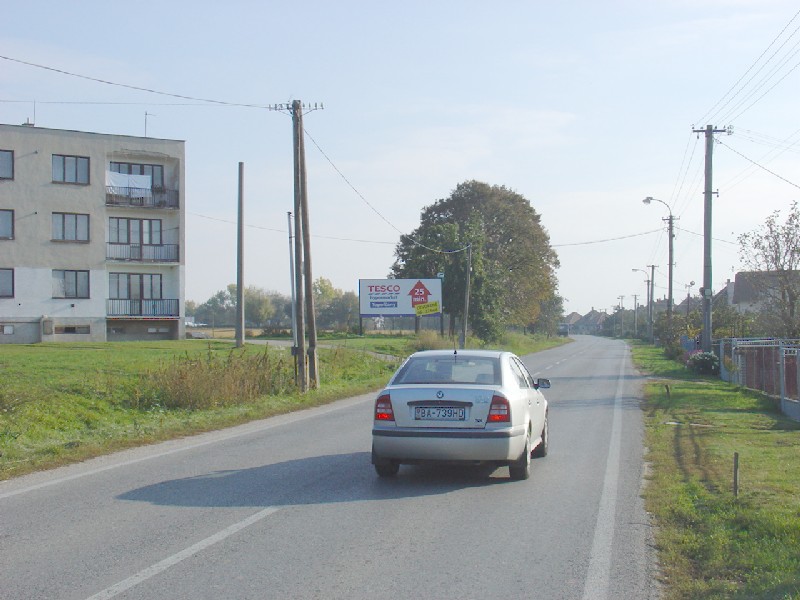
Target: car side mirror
(542, 384)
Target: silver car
(478, 406)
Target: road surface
(290, 507)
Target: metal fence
(768, 365)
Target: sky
(584, 107)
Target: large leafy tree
(513, 264)
(773, 249)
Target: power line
(711, 114)
(757, 164)
(623, 237)
(375, 210)
(133, 87)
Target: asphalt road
(290, 507)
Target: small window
(79, 329)
(70, 169)
(6, 164)
(70, 284)
(6, 283)
(69, 227)
(8, 329)
(6, 224)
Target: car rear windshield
(450, 369)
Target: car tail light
(500, 410)
(383, 408)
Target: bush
(703, 363)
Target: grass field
(62, 403)
(712, 544)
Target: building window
(134, 231)
(155, 172)
(6, 224)
(69, 227)
(6, 283)
(7, 329)
(6, 164)
(70, 284)
(134, 286)
(70, 169)
(61, 329)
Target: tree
(513, 264)
(336, 310)
(774, 250)
(220, 309)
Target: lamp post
(671, 221)
(688, 297)
(649, 302)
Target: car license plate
(439, 413)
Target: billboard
(399, 297)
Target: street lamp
(649, 296)
(671, 221)
(688, 296)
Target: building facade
(91, 236)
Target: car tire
(387, 469)
(541, 450)
(521, 468)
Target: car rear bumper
(411, 444)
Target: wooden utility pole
(311, 318)
(299, 290)
(308, 363)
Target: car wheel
(387, 469)
(541, 450)
(521, 468)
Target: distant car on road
(470, 406)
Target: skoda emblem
(440, 394)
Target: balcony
(143, 307)
(141, 197)
(162, 253)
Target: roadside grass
(710, 543)
(61, 403)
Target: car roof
(462, 353)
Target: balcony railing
(141, 197)
(143, 252)
(143, 308)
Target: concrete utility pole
(635, 315)
(651, 309)
(240, 264)
(464, 324)
(621, 315)
(671, 229)
(706, 292)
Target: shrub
(703, 363)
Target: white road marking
(173, 560)
(598, 575)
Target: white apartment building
(91, 236)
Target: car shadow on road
(314, 480)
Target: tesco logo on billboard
(384, 289)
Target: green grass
(61, 403)
(710, 543)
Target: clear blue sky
(583, 107)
